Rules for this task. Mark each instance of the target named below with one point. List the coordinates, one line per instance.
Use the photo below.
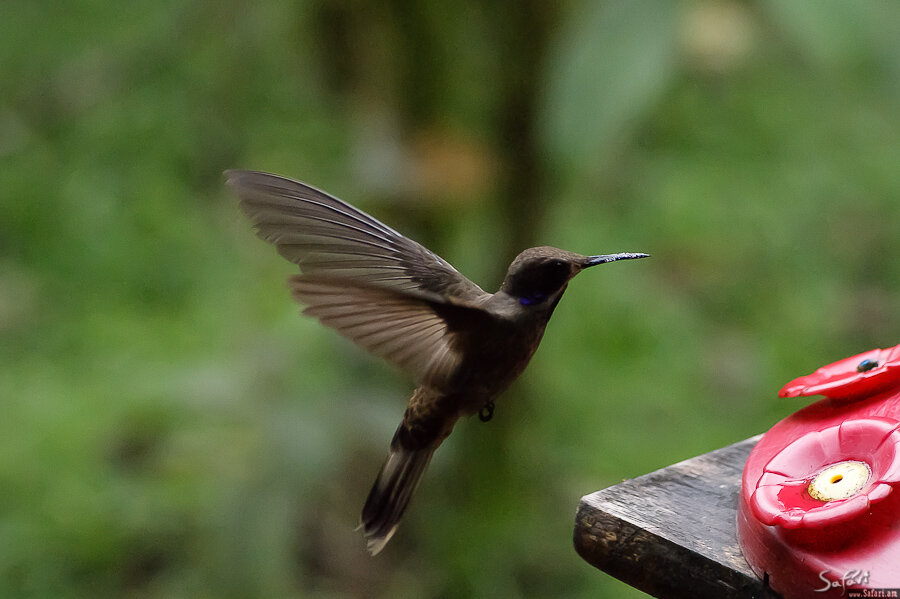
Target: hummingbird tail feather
(391, 493)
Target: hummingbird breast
(492, 360)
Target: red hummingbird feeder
(819, 511)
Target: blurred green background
(172, 428)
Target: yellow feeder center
(840, 481)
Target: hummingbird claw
(487, 412)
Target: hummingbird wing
(326, 236)
(417, 332)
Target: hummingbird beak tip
(603, 259)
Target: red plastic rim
(862, 374)
(781, 496)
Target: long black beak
(603, 259)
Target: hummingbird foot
(486, 412)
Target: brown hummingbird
(406, 304)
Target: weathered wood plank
(672, 533)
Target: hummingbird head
(539, 275)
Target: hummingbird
(404, 303)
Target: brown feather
(326, 236)
(403, 328)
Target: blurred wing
(325, 236)
(412, 331)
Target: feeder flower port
(856, 376)
(830, 476)
(820, 492)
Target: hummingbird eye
(540, 280)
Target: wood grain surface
(672, 533)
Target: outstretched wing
(326, 236)
(415, 331)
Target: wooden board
(672, 533)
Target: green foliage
(172, 427)
(608, 69)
